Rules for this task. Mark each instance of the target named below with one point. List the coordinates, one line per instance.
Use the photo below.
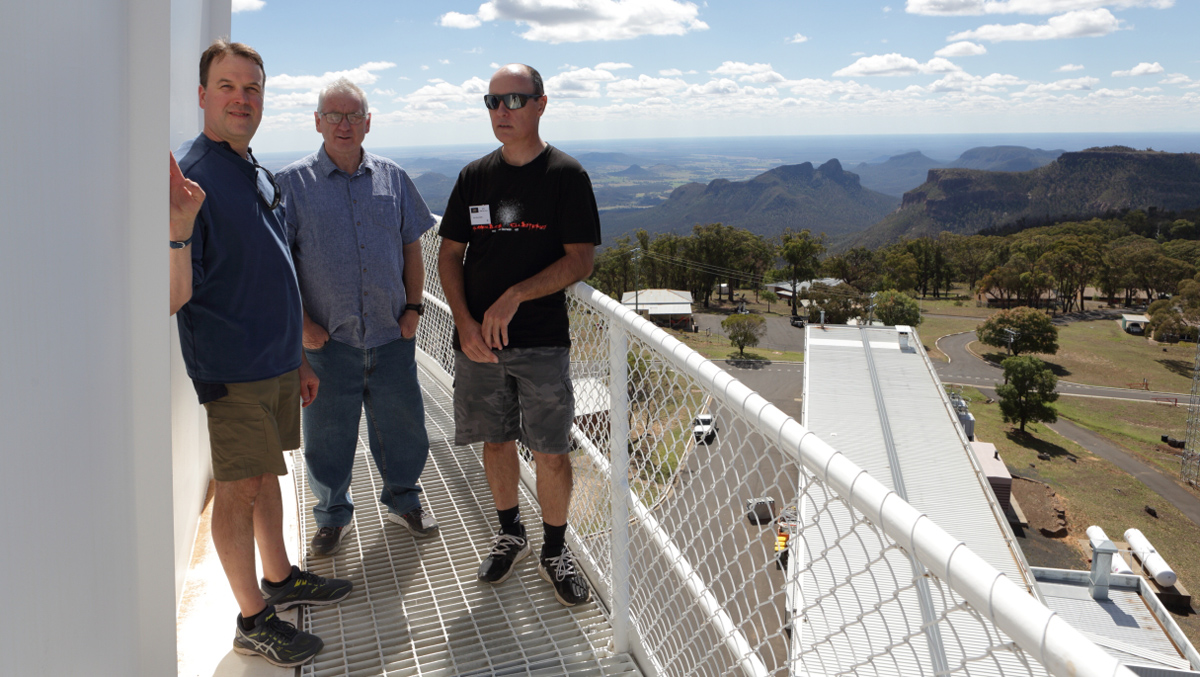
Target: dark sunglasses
(512, 101)
(268, 190)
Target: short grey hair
(342, 86)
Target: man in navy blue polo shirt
(354, 222)
(234, 293)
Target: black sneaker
(329, 539)
(506, 551)
(569, 585)
(418, 522)
(306, 588)
(276, 640)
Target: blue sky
(669, 68)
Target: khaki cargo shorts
(250, 428)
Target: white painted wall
(88, 556)
(194, 25)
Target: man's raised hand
(186, 198)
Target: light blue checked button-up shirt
(347, 233)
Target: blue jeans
(383, 381)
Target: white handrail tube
(1063, 650)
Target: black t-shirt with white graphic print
(515, 221)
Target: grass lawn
(1137, 426)
(1094, 491)
(719, 348)
(1099, 353)
(965, 307)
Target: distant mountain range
(901, 173)
(435, 188)
(1081, 185)
(826, 199)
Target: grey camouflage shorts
(526, 396)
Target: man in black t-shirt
(520, 226)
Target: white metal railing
(692, 587)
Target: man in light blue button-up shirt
(354, 222)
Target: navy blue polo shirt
(244, 320)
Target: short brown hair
(221, 48)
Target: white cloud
(557, 21)
(494, 66)
(247, 5)
(797, 39)
(962, 49)
(444, 62)
(1071, 85)
(749, 72)
(1142, 68)
(440, 93)
(886, 9)
(1068, 68)
(670, 72)
(858, 53)
(1078, 24)
(1176, 79)
(965, 82)
(581, 83)
(895, 65)
(613, 66)
(384, 92)
(365, 74)
(646, 87)
(978, 7)
(459, 20)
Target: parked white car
(703, 429)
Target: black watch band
(419, 307)
(180, 244)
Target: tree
(768, 296)
(1023, 330)
(895, 308)
(744, 330)
(801, 251)
(1027, 391)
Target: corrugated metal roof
(933, 464)
(1122, 624)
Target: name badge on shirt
(481, 215)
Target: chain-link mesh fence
(865, 585)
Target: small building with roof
(666, 307)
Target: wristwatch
(419, 307)
(180, 244)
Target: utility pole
(635, 255)
(871, 308)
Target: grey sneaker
(306, 588)
(276, 640)
(418, 522)
(569, 585)
(505, 552)
(329, 539)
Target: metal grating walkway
(417, 606)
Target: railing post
(618, 369)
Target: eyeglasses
(512, 101)
(268, 190)
(336, 118)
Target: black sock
(510, 520)
(291, 575)
(248, 623)
(554, 539)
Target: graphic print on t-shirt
(509, 217)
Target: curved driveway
(965, 368)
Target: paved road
(1159, 482)
(781, 335)
(965, 368)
